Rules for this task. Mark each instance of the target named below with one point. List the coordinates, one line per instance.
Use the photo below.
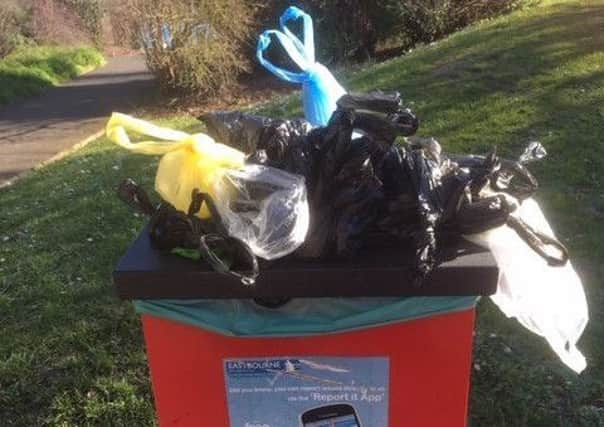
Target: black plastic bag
(362, 186)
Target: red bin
(429, 357)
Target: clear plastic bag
(265, 207)
(547, 300)
(320, 89)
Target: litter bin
(356, 345)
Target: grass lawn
(29, 70)
(72, 354)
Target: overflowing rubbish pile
(348, 177)
(367, 189)
(318, 192)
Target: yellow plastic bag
(188, 162)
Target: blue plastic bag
(320, 89)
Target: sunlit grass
(29, 70)
(72, 354)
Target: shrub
(14, 19)
(7, 29)
(90, 13)
(345, 29)
(27, 71)
(195, 45)
(352, 29)
(121, 32)
(55, 22)
(414, 21)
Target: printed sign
(307, 391)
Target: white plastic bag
(548, 301)
(265, 207)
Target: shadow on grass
(494, 63)
(524, 77)
(71, 352)
(30, 70)
(504, 84)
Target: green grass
(30, 70)
(72, 354)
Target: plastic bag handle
(308, 48)
(119, 123)
(218, 264)
(132, 194)
(171, 140)
(539, 241)
(303, 54)
(263, 43)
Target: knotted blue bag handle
(263, 43)
(291, 14)
(302, 54)
(320, 89)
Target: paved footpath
(39, 128)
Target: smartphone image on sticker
(341, 415)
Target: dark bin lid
(146, 273)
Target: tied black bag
(362, 187)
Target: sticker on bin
(307, 391)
